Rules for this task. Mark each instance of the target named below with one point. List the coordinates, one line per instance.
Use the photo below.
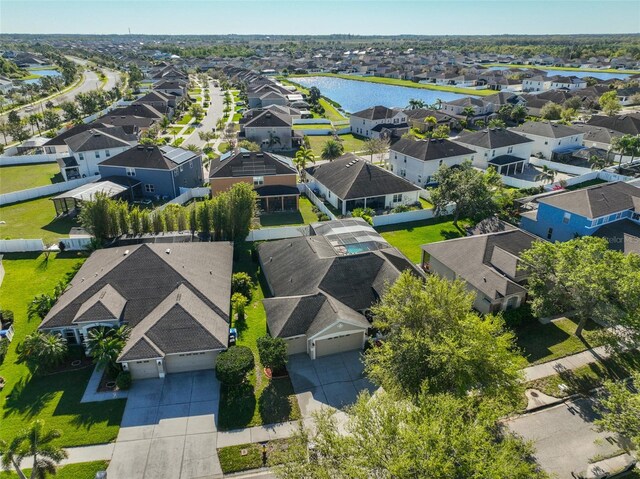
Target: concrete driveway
(334, 380)
(168, 429)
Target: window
(107, 153)
(549, 233)
(81, 156)
(619, 215)
(599, 221)
(566, 218)
(493, 153)
(191, 165)
(258, 180)
(510, 149)
(97, 153)
(131, 172)
(397, 198)
(149, 188)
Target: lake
(356, 95)
(598, 75)
(42, 73)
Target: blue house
(161, 170)
(564, 216)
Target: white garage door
(338, 344)
(143, 369)
(179, 363)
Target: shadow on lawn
(274, 404)
(28, 397)
(237, 405)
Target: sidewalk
(91, 393)
(567, 363)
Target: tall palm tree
(164, 123)
(34, 442)
(518, 113)
(626, 145)
(547, 175)
(599, 162)
(468, 112)
(332, 149)
(106, 344)
(415, 103)
(303, 157)
(273, 139)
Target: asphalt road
(209, 122)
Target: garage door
(179, 363)
(143, 369)
(338, 344)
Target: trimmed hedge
(123, 381)
(273, 353)
(233, 365)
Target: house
(175, 300)
(350, 182)
(503, 149)
(273, 178)
(416, 118)
(88, 148)
(536, 83)
(488, 264)
(456, 108)
(567, 82)
(379, 121)
(627, 124)
(162, 170)
(271, 130)
(323, 285)
(551, 140)
(57, 145)
(563, 216)
(418, 160)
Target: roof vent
(126, 252)
(140, 147)
(168, 251)
(149, 148)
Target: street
(212, 115)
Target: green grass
(408, 237)
(304, 216)
(259, 400)
(585, 378)
(541, 343)
(426, 205)
(81, 470)
(585, 184)
(54, 398)
(223, 147)
(236, 117)
(407, 83)
(23, 177)
(190, 130)
(350, 143)
(175, 130)
(233, 460)
(178, 142)
(569, 69)
(312, 126)
(34, 219)
(185, 119)
(331, 112)
(195, 91)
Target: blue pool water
(598, 75)
(356, 95)
(43, 73)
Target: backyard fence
(29, 245)
(408, 216)
(16, 160)
(562, 167)
(24, 195)
(187, 195)
(304, 188)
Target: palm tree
(164, 123)
(40, 351)
(547, 175)
(415, 104)
(468, 112)
(34, 442)
(303, 157)
(332, 149)
(518, 113)
(273, 139)
(106, 344)
(599, 162)
(40, 306)
(626, 145)
(34, 120)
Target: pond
(42, 73)
(598, 75)
(356, 95)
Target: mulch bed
(107, 383)
(70, 365)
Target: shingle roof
(142, 109)
(150, 156)
(598, 200)
(492, 138)
(622, 236)
(59, 140)
(269, 118)
(628, 124)
(249, 163)
(99, 139)
(351, 177)
(546, 129)
(427, 150)
(376, 113)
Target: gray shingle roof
(269, 118)
(629, 124)
(622, 236)
(376, 113)
(151, 157)
(246, 163)
(427, 150)
(546, 129)
(492, 138)
(99, 139)
(351, 178)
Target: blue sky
(367, 17)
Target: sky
(320, 17)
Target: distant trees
(609, 103)
(551, 111)
(415, 104)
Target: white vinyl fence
(40, 191)
(9, 160)
(187, 195)
(21, 245)
(562, 167)
(408, 216)
(304, 188)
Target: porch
(278, 198)
(509, 165)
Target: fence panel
(304, 188)
(10, 160)
(554, 165)
(40, 191)
(21, 245)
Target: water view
(579, 74)
(42, 73)
(356, 95)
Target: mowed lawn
(34, 219)
(408, 237)
(23, 177)
(259, 400)
(350, 143)
(53, 398)
(81, 470)
(303, 216)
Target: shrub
(233, 365)
(515, 317)
(400, 209)
(242, 283)
(6, 316)
(239, 303)
(273, 352)
(123, 381)
(323, 217)
(41, 351)
(4, 347)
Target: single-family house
(456, 108)
(271, 130)
(379, 121)
(559, 82)
(272, 177)
(503, 149)
(161, 170)
(489, 264)
(418, 160)
(551, 140)
(57, 145)
(351, 182)
(175, 298)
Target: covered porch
(508, 165)
(278, 198)
(113, 186)
(373, 202)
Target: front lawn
(244, 457)
(54, 398)
(408, 237)
(81, 470)
(350, 143)
(23, 177)
(185, 119)
(304, 216)
(223, 147)
(541, 343)
(259, 400)
(34, 219)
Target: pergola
(113, 187)
(275, 198)
(508, 164)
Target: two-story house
(456, 108)
(567, 83)
(551, 139)
(161, 170)
(271, 130)
(503, 149)
(377, 121)
(563, 216)
(418, 160)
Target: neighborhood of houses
(319, 276)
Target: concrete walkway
(567, 363)
(91, 394)
(97, 452)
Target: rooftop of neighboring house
(546, 129)
(100, 139)
(142, 109)
(466, 101)
(59, 140)
(598, 134)
(150, 157)
(350, 177)
(628, 124)
(492, 138)
(376, 113)
(433, 149)
(621, 235)
(269, 118)
(247, 163)
(419, 114)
